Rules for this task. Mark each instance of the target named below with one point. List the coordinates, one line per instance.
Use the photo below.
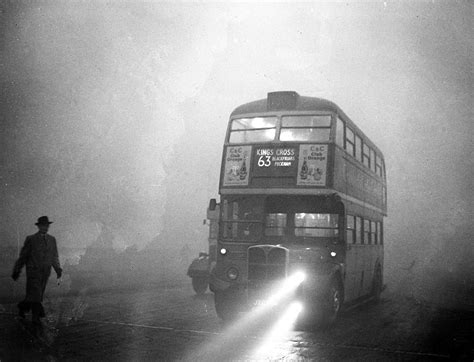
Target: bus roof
(286, 100)
(292, 101)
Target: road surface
(172, 323)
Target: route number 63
(264, 161)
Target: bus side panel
(369, 268)
(361, 262)
(355, 180)
(376, 254)
(354, 268)
(339, 171)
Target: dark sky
(114, 113)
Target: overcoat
(39, 254)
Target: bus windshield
(257, 129)
(305, 128)
(303, 224)
(313, 128)
(256, 219)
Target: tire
(377, 285)
(200, 285)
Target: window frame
(283, 127)
(306, 230)
(366, 232)
(358, 231)
(378, 165)
(351, 142)
(372, 159)
(380, 232)
(358, 148)
(340, 133)
(237, 131)
(366, 156)
(373, 232)
(281, 230)
(350, 229)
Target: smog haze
(113, 115)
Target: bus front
(281, 223)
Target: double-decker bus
(302, 191)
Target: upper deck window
(340, 132)
(257, 129)
(366, 155)
(306, 128)
(372, 160)
(358, 148)
(350, 143)
(378, 165)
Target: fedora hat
(43, 220)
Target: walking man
(39, 254)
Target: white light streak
(279, 331)
(288, 286)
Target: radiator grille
(267, 263)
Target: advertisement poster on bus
(236, 172)
(312, 165)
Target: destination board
(274, 161)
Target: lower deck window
(350, 230)
(367, 232)
(275, 224)
(358, 230)
(303, 224)
(252, 219)
(316, 225)
(373, 232)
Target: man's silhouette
(39, 254)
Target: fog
(113, 116)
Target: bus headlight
(298, 277)
(232, 273)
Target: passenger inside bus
(253, 228)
